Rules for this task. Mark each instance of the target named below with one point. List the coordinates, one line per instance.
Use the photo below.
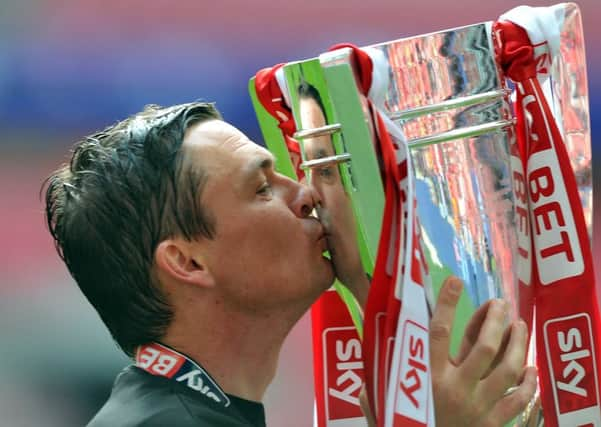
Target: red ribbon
(337, 361)
(377, 349)
(394, 174)
(271, 97)
(559, 279)
(362, 64)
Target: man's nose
(305, 200)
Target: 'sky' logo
(413, 380)
(344, 372)
(570, 352)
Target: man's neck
(239, 350)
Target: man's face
(335, 210)
(267, 251)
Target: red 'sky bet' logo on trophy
(344, 373)
(412, 400)
(574, 377)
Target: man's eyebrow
(321, 153)
(265, 161)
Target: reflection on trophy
(336, 211)
(448, 95)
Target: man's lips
(322, 235)
(322, 240)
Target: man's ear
(175, 258)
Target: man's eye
(265, 189)
(325, 172)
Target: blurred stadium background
(70, 67)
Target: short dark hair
(308, 91)
(126, 189)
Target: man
(200, 258)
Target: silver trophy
(453, 104)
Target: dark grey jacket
(139, 399)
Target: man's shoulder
(139, 399)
